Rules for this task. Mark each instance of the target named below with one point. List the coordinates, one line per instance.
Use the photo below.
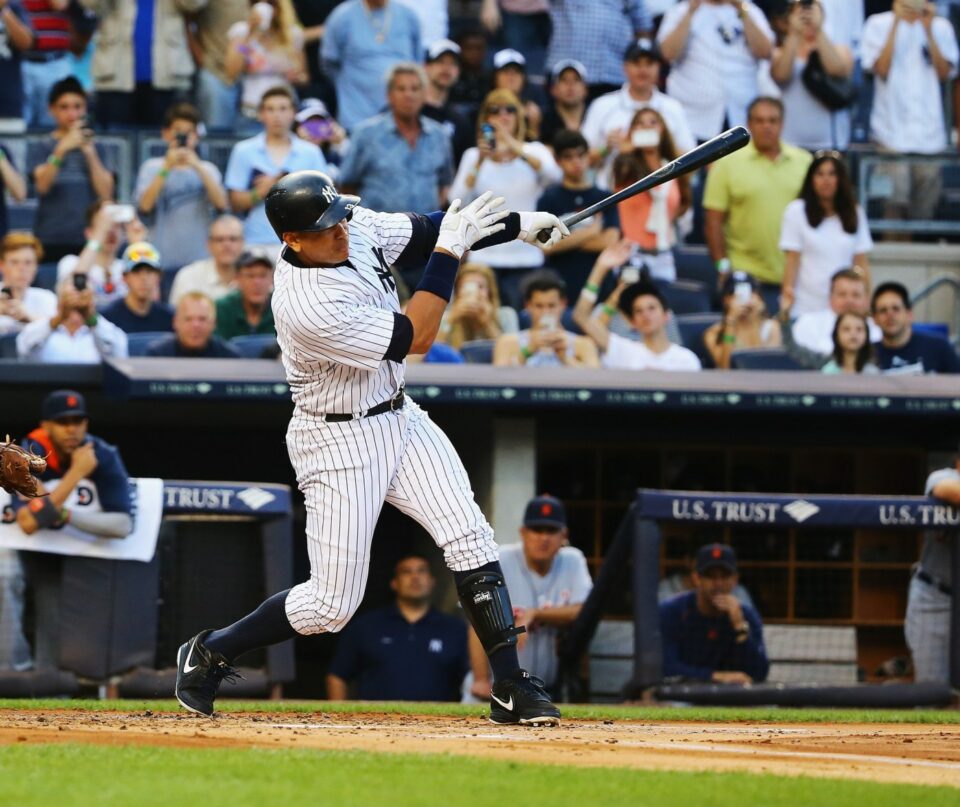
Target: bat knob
(543, 236)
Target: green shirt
(753, 191)
(232, 319)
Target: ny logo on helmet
(329, 194)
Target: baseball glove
(17, 470)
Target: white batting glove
(461, 229)
(531, 224)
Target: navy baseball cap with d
(63, 403)
(545, 511)
(716, 556)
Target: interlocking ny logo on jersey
(384, 271)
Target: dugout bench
(638, 541)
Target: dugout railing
(636, 549)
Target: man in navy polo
(407, 651)
(708, 634)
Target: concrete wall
(916, 265)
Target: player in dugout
(708, 634)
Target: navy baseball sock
(503, 661)
(265, 626)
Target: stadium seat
(685, 296)
(137, 343)
(21, 215)
(763, 358)
(940, 329)
(166, 283)
(252, 346)
(8, 346)
(692, 327)
(46, 276)
(478, 351)
(695, 263)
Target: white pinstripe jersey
(334, 323)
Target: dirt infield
(915, 754)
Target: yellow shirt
(753, 191)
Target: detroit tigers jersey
(334, 323)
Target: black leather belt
(943, 588)
(392, 405)
(42, 57)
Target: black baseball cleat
(522, 699)
(199, 674)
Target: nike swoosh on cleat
(186, 662)
(507, 704)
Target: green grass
(583, 712)
(79, 775)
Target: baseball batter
(356, 441)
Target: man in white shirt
(214, 276)
(608, 119)
(848, 294)
(645, 308)
(75, 334)
(21, 303)
(910, 51)
(714, 48)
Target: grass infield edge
(571, 711)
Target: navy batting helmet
(306, 201)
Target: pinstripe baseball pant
(927, 629)
(346, 472)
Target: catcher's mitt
(17, 469)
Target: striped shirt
(334, 323)
(51, 28)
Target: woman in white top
(823, 231)
(519, 172)
(265, 51)
(808, 122)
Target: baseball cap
(642, 48)
(311, 108)
(253, 256)
(568, 64)
(508, 56)
(441, 46)
(140, 253)
(716, 556)
(63, 403)
(545, 511)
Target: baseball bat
(715, 148)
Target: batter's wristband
(440, 275)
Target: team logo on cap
(546, 509)
(71, 400)
(329, 194)
(717, 552)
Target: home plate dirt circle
(914, 754)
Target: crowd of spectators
(412, 104)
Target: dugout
(637, 546)
(117, 624)
(590, 437)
